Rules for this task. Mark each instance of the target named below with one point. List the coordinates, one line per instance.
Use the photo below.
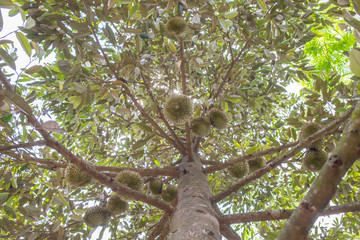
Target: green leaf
(24, 43)
(262, 5)
(18, 101)
(6, 4)
(7, 59)
(110, 34)
(237, 144)
(173, 48)
(34, 69)
(355, 61)
(231, 14)
(1, 21)
(3, 194)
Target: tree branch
(159, 226)
(248, 157)
(225, 229)
(231, 67)
(281, 159)
(23, 145)
(82, 165)
(133, 99)
(324, 187)
(282, 214)
(172, 132)
(168, 171)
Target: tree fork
(194, 217)
(324, 187)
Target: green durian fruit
(314, 160)
(256, 163)
(176, 25)
(116, 205)
(200, 126)
(155, 186)
(309, 129)
(178, 109)
(218, 118)
(131, 179)
(97, 216)
(239, 170)
(76, 177)
(169, 194)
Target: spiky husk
(97, 216)
(239, 170)
(200, 126)
(178, 109)
(257, 163)
(314, 160)
(309, 129)
(176, 25)
(76, 177)
(155, 186)
(218, 118)
(116, 205)
(169, 194)
(131, 179)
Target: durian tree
(174, 120)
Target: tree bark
(194, 217)
(324, 187)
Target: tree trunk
(194, 217)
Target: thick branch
(169, 171)
(159, 227)
(102, 178)
(282, 158)
(282, 214)
(225, 229)
(324, 187)
(23, 145)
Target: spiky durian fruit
(239, 170)
(314, 160)
(76, 177)
(97, 216)
(176, 25)
(116, 205)
(200, 126)
(218, 118)
(178, 109)
(156, 186)
(309, 129)
(131, 179)
(256, 163)
(169, 194)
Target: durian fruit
(97, 216)
(156, 186)
(131, 179)
(200, 126)
(76, 177)
(169, 194)
(178, 109)
(256, 163)
(176, 25)
(239, 170)
(218, 118)
(309, 129)
(314, 159)
(115, 205)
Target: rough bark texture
(325, 185)
(194, 217)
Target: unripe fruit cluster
(314, 157)
(239, 170)
(76, 177)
